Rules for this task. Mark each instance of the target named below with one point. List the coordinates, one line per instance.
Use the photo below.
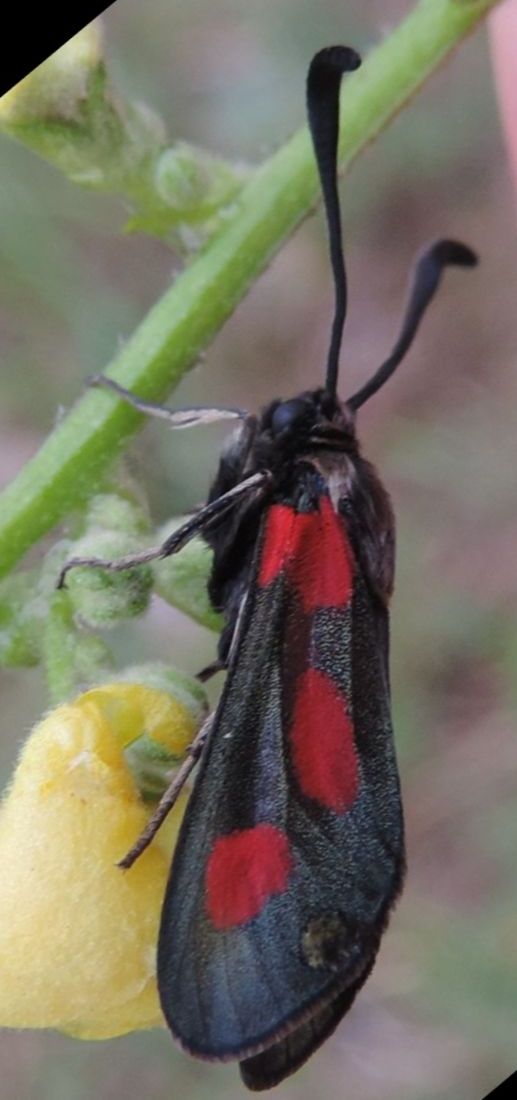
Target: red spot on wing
(322, 563)
(243, 871)
(313, 550)
(277, 544)
(322, 741)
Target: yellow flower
(77, 934)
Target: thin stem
(280, 193)
(59, 649)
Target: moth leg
(169, 797)
(199, 522)
(210, 670)
(177, 418)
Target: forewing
(291, 851)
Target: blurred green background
(437, 1017)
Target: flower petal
(77, 934)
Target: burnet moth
(291, 852)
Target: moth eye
(327, 942)
(287, 415)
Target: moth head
(312, 417)
(288, 416)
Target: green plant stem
(280, 193)
(59, 649)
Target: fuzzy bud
(182, 579)
(102, 598)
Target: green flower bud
(101, 598)
(68, 112)
(195, 183)
(113, 512)
(56, 110)
(56, 90)
(182, 579)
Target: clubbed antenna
(425, 282)
(323, 84)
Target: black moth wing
(278, 1061)
(277, 980)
